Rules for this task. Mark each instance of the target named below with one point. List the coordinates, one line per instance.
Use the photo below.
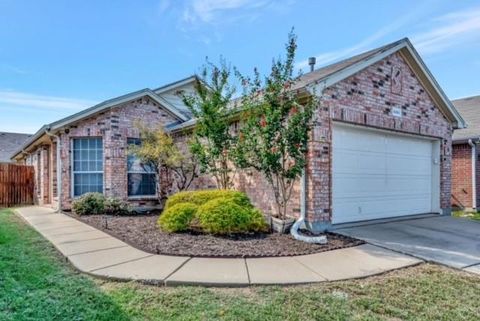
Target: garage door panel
(366, 208)
(355, 162)
(378, 174)
(374, 186)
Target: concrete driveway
(441, 239)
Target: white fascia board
(336, 77)
(174, 85)
(163, 102)
(80, 116)
(328, 81)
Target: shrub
(89, 203)
(203, 196)
(224, 216)
(177, 218)
(115, 206)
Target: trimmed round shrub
(225, 216)
(89, 203)
(177, 218)
(115, 206)
(203, 196)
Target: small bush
(203, 196)
(89, 203)
(115, 206)
(225, 216)
(177, 218)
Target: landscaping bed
(141, 231)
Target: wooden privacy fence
(16, 184)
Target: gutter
(59, 169)
(474, 173)
(322, 239)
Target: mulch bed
(141, 231)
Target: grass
(471, 215)
(37, 284)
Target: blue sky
(58, 57)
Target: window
(87, 165)
(141, 177)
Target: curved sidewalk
(97, 253)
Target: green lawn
(37, 284)
(472, 215)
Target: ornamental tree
(273, 139)
(173, 167)
(212, 140)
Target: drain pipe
(474, 174)
(303, 199)
(59, 169)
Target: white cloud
(12, 69)
(30, 101)
(216, 11)
(328, 57)
(163, 6)
(453, 29)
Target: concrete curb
(101, 255)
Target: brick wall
(367, 99)
(462, 176)
(114, 126)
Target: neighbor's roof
(329, 75)
(469, 108)
(9, 143)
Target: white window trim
(72, 172)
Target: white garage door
(377, 174)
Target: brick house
(466, 156)
(381, 146)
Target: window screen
(87, 165)
(141, 177)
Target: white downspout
(59, 169)
(474, 174)
(303, 200)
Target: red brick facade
(462, 179)
(366, 98)
(114, 127)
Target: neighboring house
(466, 156)
(380, 148)
(10, 143)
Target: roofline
(458, 118)
(320, 84)
(465, 98)
(98, 108)
(30, 141)
(114, 102)
(175, 84)
(465, 140)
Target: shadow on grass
(35, 285)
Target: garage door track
(441, 239)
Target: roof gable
(9, 143)
(469, 108)
(327, 76)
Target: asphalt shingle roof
(9, 143)
(469, 108)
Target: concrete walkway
(97, 253)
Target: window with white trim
(141, 177)
(87, 165)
